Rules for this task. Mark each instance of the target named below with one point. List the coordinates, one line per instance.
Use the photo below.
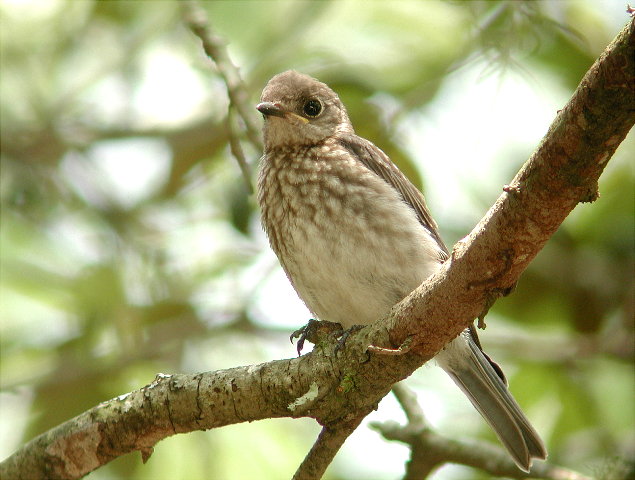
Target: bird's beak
(269, 109)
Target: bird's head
(300, 110)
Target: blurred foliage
(129, 245)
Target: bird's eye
(312, 108)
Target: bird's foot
(344, 336)
(315, 331)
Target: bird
(354, 237)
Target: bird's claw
(344, 336)
(314, 332)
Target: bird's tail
(472, 371)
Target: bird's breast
(350, 245)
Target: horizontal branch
(334, 389)
(434, 450)
(171, 404)
(430, 451)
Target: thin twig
(215, 47)
(237, 150)
(408, 401)
(429, 450)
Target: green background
(129, 244)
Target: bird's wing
(379, 163)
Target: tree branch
(429, 450)
(237, 151)
(215, 48)
(325, 448)
(562, 172)
(334, 389)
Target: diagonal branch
(325, 448)
(215, 48)
(237, 150)
(562, 172)
(334, 389)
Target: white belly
(354, 269)
(351, 251)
